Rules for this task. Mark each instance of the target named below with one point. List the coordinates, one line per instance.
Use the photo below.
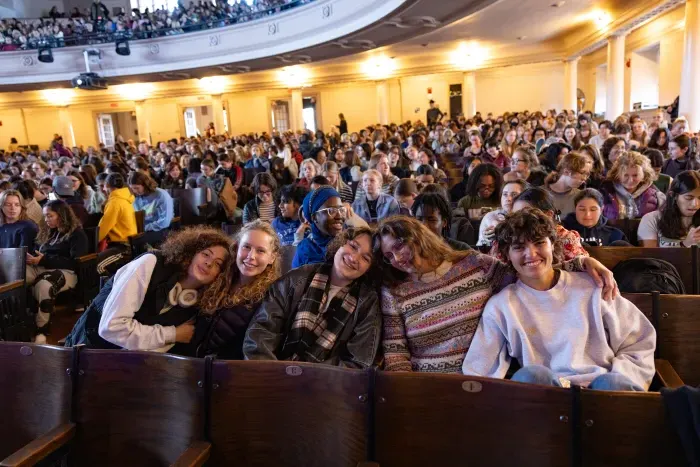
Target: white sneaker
(40, 339)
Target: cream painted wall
(586, 83)
(645, 80)
(84, 127)
(414, 94)
(165, 123)
(125, 125)
(670, 66)
(525, 87)
(357, 101)
(12, 127)
(601, 84)
(250, 111)
(42, 124)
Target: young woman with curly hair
(151, 303)
(555, 323)
(322, 313)
(629, 190)
(51, 269)
(254, 268)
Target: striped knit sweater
(429, 324)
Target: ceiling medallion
(364, 44)
(176, 75)
(154, 49)
(291, 59)
(27, 60)
(414, 22)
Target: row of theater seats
(118, 408)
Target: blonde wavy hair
(226, 293)
(627, 159)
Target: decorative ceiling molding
(627, 26)
(413, 22)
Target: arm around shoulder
(265, 332)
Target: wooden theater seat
(286, 257)
(678, 328)
(685, 260)
(434, 419)
(15, 323)
(627, 429)
(139, 409)
(288, 414)
(140, 221)
(35, 402)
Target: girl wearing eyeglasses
(263, 206)
(433, 296)
(322, 313)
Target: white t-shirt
(649, 230)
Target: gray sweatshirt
(569, 329)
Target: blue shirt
(285, 228)
(159, 210)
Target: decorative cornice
(624, 25)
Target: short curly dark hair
(529, 224)
(372, 274)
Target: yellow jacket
(118, 222)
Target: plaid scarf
(314, 333)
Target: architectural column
(297, 110)
(217, 108)
(571, 84)
(66, 127)
(689, 103)
(615, 98)
(469, 95)
(143, 120)
(382, 102)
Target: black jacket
(222, 333)
(599, 235)
(357, 344)
(63, 252)
(162, 281)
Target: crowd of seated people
(97, 24)
(381, 271)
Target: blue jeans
(538, 374)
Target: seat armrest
(196, 455)
(41, 447)
(87, 258)
(11, 286)
(667, 374)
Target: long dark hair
(539, 198)
(68, 222)
(655, 137)
(670, 222)
(480, 171)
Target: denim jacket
(386, 206)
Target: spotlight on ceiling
(122, 47)
(45, 54)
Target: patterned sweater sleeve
(571, 244)
(397, 356)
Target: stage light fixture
(122, 47)
(45, 55)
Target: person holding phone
(488, 224)
(676, 224)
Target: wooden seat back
(140, 221)
(685, 260)
(137, 408)
(431, 419)
(278, 413)
(189, 202)
(628, 226)
(626, 429)
(13, 264)
(35, 396)
(678, 328)
(15, 323)
(286, 257)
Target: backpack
(644, 275)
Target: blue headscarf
(313, 248)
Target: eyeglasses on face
(334, 211)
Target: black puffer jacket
(357, 344)
(223, 332)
